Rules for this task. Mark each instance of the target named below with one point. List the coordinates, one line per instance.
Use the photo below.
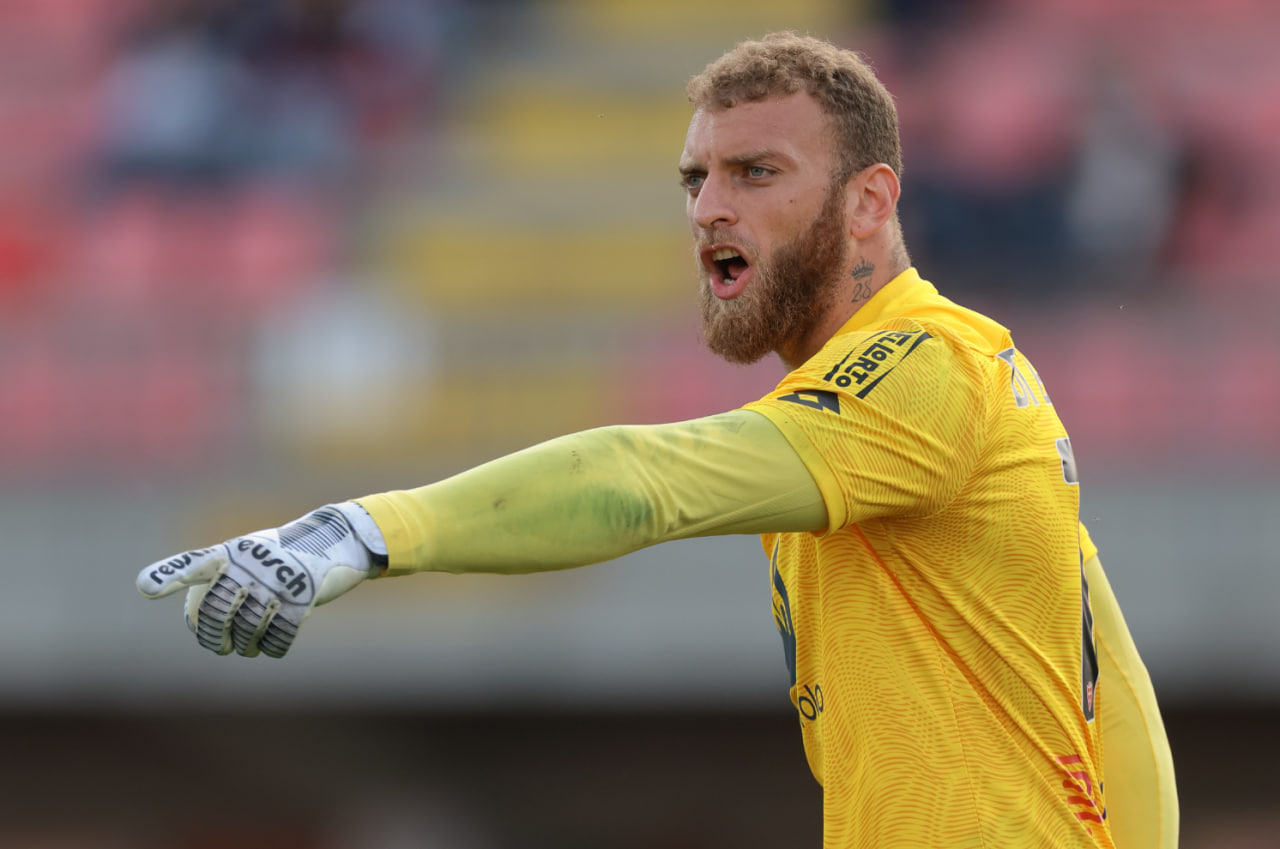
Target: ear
(872, 199)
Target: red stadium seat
(277, 244)
(120, 253)
(30, 401)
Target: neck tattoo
(862, 274)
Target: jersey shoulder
(860, 361)
(899, 350)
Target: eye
(691, 182)
(757, 172)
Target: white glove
(252, 593)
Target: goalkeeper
(959, 666)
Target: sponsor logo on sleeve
(869, 364)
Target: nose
(712, 206)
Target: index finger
(165, 577)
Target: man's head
(864, 121)
(790, 166)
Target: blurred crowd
(215, 93)
(171, 171)
(1079, 144)
(171, 168)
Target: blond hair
(863, 118)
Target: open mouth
(729, 265)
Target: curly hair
(863, 117)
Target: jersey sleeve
(1088, 550)
(1142, 797)
(595, 495)
(888, 422)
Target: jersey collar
(891, 300)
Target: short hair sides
(863, 116)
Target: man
(914, 489)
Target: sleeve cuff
(813, 461)
(404, 539)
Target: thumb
(165, 577)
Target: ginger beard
(789, 294)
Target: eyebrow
(753, 156)
(750, 157)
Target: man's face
(768, 223)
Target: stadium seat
(276, 245)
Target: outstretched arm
(579, 499)
(599, 494)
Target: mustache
(706, 238)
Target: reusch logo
(176, 564)
(293, 579)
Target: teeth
(725, 253)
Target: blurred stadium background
(257, 255)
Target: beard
(789, 295)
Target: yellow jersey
(938, 631)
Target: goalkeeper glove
(252, 593)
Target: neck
(868, 274)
